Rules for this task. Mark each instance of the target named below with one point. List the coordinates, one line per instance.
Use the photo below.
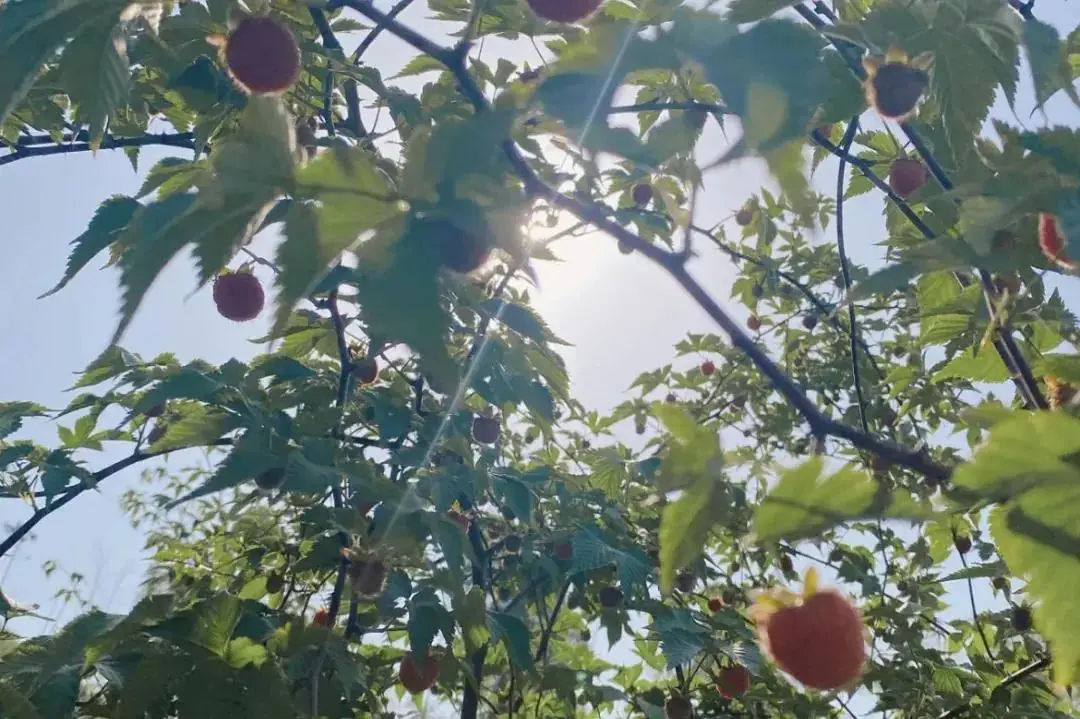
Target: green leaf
(156, 234)
(172, 175)
(986, 366)
(113, 362)
(686, 523)
(773, 77)
(948, 682)
(95, 73)
(31, 31)
(451, 540)
(188, 383)
(1050, 70)
(247, 459)
(512, 630)
(681, 638)
(884, 281)
(110, 219)
(13, 413)
(353, 196)
(1035, 529)
(804, 503)
(427, 617)
(519, 318)
(153, 676)
(214, 621)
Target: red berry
(906, 175)
(609, 597)
(671, 398)
(262, 55)
(1051, 241)
(367, 370)
(368, 578)
(564, 10)
(485, 430)
(716, 604)
(322, 617)
(418, 679)
(753, 322)
(239, 296)
(786, 564)
(642, 193)
(895, 88)
(708, 368)
(462, 251)
(963, 543)
(678, 707)
(734, 681)
(819, 642)
(744, 216)
(564, 551)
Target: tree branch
(43, 145)
(101, 475)
(352, 96)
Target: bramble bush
(404, 498)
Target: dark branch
(100, 476)
(43, 145)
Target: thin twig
(352, 96)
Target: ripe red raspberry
(818, 642)
(708, 368)
(262, 55)
(418, 679)
(322, 617)
(734, 681)
(716, 604)
(367, 370)
(239, 296)
(906, 175)
(642, 194)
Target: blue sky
(622, 315)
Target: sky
(621, 314)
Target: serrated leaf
(686, 523)
(171, 175)
(247, 459)
(513, 632)
(31, 31)
(1050, 70)
(109, 220)
(986, 366)
(95, 73)
(354, 197)
(948, 682)
(805, 503)
(155, 235)
(681, 638)
(188, 383)
(13, 413)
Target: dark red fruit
(1021, 618)
(685, 582)
(906, 175)
(642, 194)
(564, 551)
(734, 681)
(744, 216)
(609, 597)
(485, 430)
(738, 401)
(678, 707)
(564, 10)
(819, 642)
(367, 370)
(512, 543)
(963, 543)
(1001, 583)
(708, 368)
(418, 679)
(459, 250)
(716, 604)
(322, 617)
(239, 296)
(271, 479)
(671, 398)
(368, 578)
(262, 55)
(274, 583)
(895, 88)
(753, 322)
(786, 564)
(809, 321)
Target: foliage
(389, 527)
